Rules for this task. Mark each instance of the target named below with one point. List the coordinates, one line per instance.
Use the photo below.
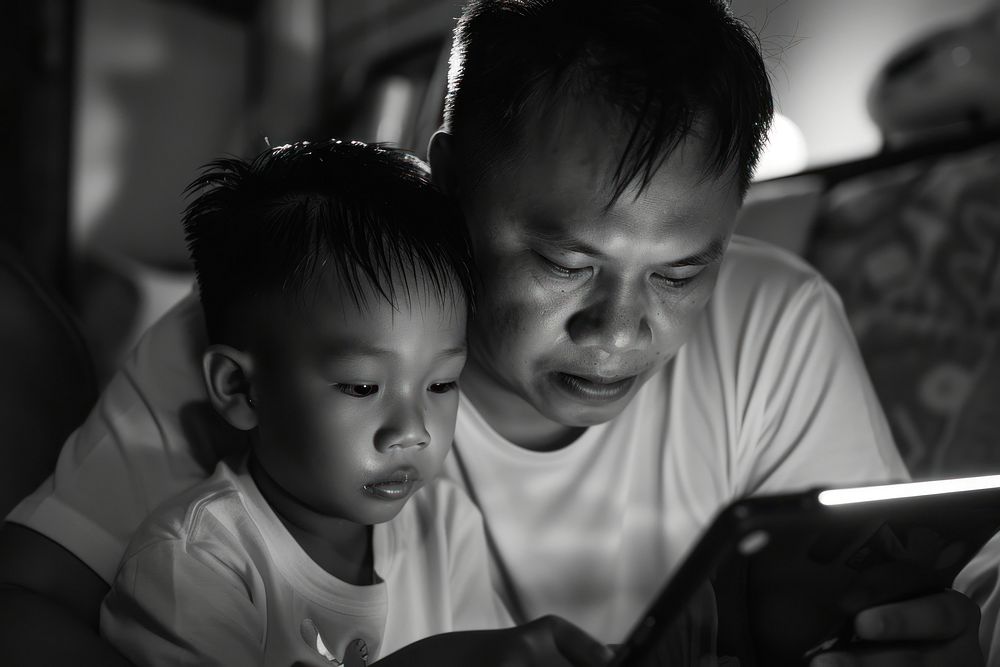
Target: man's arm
(820, 394)
(49, 604)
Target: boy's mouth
(395, 486)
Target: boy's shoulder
(210, 516)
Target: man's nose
(615, 320)
(404, 428)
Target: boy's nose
(404, 430)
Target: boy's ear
(227, 376)
(442, 158)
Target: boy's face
(356, 406)
(582, 302)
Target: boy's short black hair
(275, 224)
(662, 64)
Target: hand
(549, 641)
(938, 629)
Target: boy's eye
(442, 387)
(357, 390)
(563, 271)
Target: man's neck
(343, 548)
(511, 416)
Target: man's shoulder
(762, 290)
(756, 264)
(152, 433)
(760, 283)
(163, 357)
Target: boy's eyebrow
(356, 349)
(456, 351)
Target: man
(632, 366)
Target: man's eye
(675, 281)
(563, 271)
(442, 387)
(357, 390)
(672, 282)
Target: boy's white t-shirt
(214, 577)
(769, 394)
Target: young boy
(335, 282)
(633, 366)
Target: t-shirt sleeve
(173, 603)
(812, 416)
(151, 434)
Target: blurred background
(882, 168)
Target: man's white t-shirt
(769, 394)
(214, 577)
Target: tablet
(776, 580)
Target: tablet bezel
(736, 532)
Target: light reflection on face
(582, 302)
(356, 406)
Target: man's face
(356, 406)
(584, 298)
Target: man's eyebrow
(562, 239)
(715, 249)
(712, 252)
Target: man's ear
(442, 158)
(228, 372)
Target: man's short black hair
(275, 224)
(661, 65)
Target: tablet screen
(777, 580)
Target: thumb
(578, 647)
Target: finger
(883, 583)
(578, 647)
(936, 617)
(905, 655)
(870, 658)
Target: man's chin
(571, 402)
(588, 418)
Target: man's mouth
(593, 389)
(394, 486)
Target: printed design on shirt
(355, 654)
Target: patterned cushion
(914, 251)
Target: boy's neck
(343, 548)
(511, 416)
